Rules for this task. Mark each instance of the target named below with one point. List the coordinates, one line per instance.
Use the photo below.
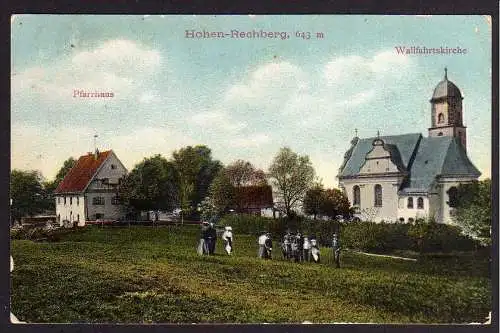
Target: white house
(405, 177)
(89, 190)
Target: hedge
(423, 237)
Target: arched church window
(420, 203)
(440, 118)
(452, 196)
(410, 202)
(378, 195)
(356, 195)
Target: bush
(423, 236)
(436, 237)
(40, 234)
(375, 237)
(251, 224)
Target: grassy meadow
(144, 274)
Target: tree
(333, 203)
(67, 165)
(151, 185)
(50, 186)
(222, 193)
(243, 173)
(195, 169)
(27, 193)
(472, 208)
(312, 200)
(292, 175)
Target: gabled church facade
(409, 176)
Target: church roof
(401, 148)
(446, 88)
(424, 159)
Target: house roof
(254, 196)
(424, 159)
(77, 179)
(402, 146)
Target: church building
(400, 178)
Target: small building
(400, 178)
(89, 191)
(255, 199)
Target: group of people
(297, 247)
(208, 239)
(300, 248)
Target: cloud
(255, 140)
(217, 119)
(118, 66)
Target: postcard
(193, 169)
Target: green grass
(153, 275)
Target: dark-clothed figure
(300, 247)
(268, 246)
(203, 245)
(212, 238)
(336, 250)
(286, 247)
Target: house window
(402, 219)
(440, 134)
(70, 200)
(440, 118)
(77, 201)
(378, 195)
(452, 196)
(65, 200)
(78, 217)
(420, 203)
(411, 220)
(410, 202)
(98, 200)
(115, 200)
(58, 200)
(113, 166)
(356, 195)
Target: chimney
(96, 153)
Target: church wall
(414, 213)
(367, 210)
(445, 185)
(447, 131)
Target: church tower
(446, 109)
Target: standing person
(213, 238)
(268, 246)
(336, 250)
(203, 245)
(227, 237)
(300, 247)
(306, 249)
(314, 251)
(262, 244)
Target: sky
(244, 98)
